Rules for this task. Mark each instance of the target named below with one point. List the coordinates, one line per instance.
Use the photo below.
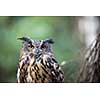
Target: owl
(37, 63)
(90, 71)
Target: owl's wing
(53, 69)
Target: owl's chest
(34, 70)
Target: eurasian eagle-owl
(37, 63)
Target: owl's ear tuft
(49, 41)
(25, 39)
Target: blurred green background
(63, 30)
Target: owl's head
(37, 47)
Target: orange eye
(43, 46)
(30, 46)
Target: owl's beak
(37, 52)
(25, 39)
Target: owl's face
(37, 47)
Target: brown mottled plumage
(37, 63)
(90, 71)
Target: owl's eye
(43, 46)
(30, 46)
